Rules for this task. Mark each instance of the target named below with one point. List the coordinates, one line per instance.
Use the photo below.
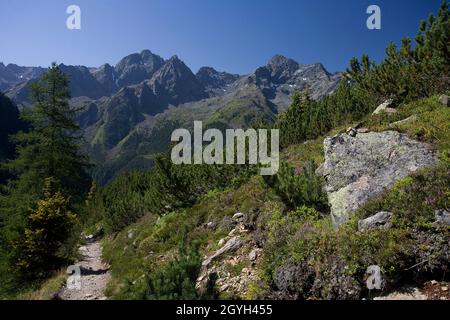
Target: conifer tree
(51, 148)
(42, 246)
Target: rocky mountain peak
(278, 62)
(212, 79)
(176, 82)
(137, 67)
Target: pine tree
(52, 147)
(49, 149)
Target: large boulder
(358, 168)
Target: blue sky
(232, 35)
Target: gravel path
(95, 275)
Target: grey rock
(381, 220)
(444, 99)
(231, 245)
(358, 168)
(411, 118)
(363, 130)
(374, 279)
(254, 254)
(442, 217)
(382, 107)
(352, 132)
(130, 235)
(238, 216)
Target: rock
(254, 254)
(405, 293)
(442, 217)
(232, 244)
(362, 130)
(351, 132)
(130, 235)
(238, 216)
(89, 237)
(444, 99)
(222, 242)
(411, 118)
(381, 220)
(358, 168)
(382, 107)
(433, 282)
(445, 289)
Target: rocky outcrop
(384, 107)
(232, 244)
(360, 167)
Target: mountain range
(130, 109)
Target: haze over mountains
(131, 109)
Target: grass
(299, 154)
(47, 289)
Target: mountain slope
(127, 105)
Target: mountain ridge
(143, 95)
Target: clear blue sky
(232, 35)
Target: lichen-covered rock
(358, 168)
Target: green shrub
(301, 188)
(176, 280)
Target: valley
(128, 111)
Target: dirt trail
(95, 275)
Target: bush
(44, 245)
(303, 187)
(177, 279)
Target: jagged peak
(207, 69)
(280, 60)
(174, 58)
